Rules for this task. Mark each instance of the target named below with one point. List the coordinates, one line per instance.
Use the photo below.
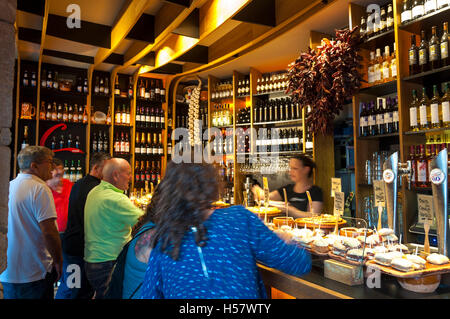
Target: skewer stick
(426, 247)
(380, 214)
(310, 202)
(286, 201)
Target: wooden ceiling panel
(89, 33)
(36, 7)
(58, 44)
(29, 20)
(97, 11)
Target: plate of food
(324, 221)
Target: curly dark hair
(185, 194)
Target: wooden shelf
(426, 22)
(378, 136)
(380, 89)
(279, 122)
(379, 40)
(243, 124)
(69, 94)
(101, 96)
(436, 76)
(433, 130)
(273, 92)
(61, 122)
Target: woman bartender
(300, 171)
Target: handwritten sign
(425, 207)
(378, 191)
(339, 203)
(336, 185)
(266, 192)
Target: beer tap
(392, 169)
(438, 178)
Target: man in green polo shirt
(109, 216)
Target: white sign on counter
(339, 203)
(378, 192)
(425, 208)
(336, 185)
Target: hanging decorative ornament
(194, 110)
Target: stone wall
(8, 55)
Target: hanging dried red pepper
(325, 78)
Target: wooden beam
(144, 29)
(122, 27)
(190, 26)
(169, 68)
(198, 54)
(30, 35)
(114, 58)
(32, 6)
(258, 12)
(69, 56)
(166, 20)
(149, 59)
(184, 3)
(90, 33)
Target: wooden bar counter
(315, 286)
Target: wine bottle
(445, 102)
(418, 9)
(25, 142)
(435, 51)
(413, 118)
(436, 112)
(444, 46)
(116, 86)
(423, 54)
(97, 85)
(413, 57)
(430, 6)
(425, 113)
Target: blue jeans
(40, 289)
(99, 276)
(84, 289)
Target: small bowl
(425, 284)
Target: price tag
(425, 207)
(336, 185)
(339, 203)
(378, 191)
(266, 192)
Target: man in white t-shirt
(34, 252)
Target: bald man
(109, 216)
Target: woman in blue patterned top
(201, 253)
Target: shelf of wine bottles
(146, 172)
(149, 117)
(100, 141)
(222, 90)
(285, 140)
(63, 112)
(148, 144)
(429, 63)
(381, 25)
(73, 170)
(271, 84)
(423, 14)
(276, 110)
(379, 118)
(430, 115)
